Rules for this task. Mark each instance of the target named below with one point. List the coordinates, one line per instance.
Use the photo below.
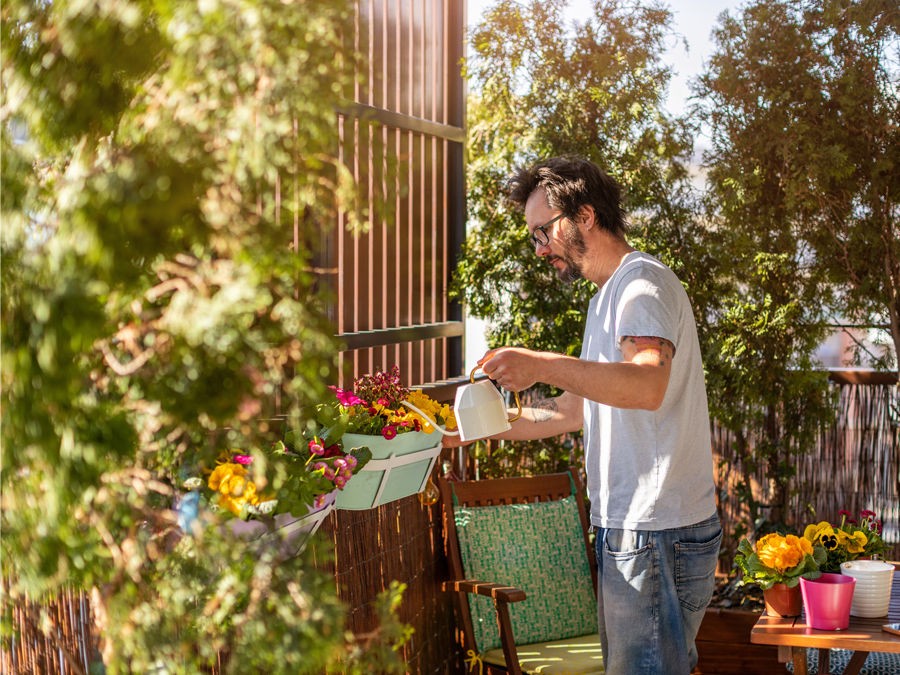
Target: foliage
(849, 540)
(156, 159)
(594, 90)
(787, 82)
(313, 472)
(779, 559)
(783, 171)
(569, 92)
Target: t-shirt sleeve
(645, 308)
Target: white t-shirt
(648, 470)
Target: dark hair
(570, 183)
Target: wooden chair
(534, 532)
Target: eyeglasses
(543, 238)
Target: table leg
(824, 662)
(798, 655)
(856, 663)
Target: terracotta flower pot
(782, 600)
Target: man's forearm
(547, 417)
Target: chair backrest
(531, 533)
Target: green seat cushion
(538, 547)
(575, 656)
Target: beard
(574, 246)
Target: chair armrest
(502, 595)
(499, 592)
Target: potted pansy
(776, 563)
(851, 539)
(403, 442)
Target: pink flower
(316, 447)
(319, 501)
(242, 459)
(389, 432)
(351, 461)
(383, 402)
(346, 397)
(340, 482)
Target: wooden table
(793, 637)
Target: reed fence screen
(855, 464)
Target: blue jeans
(653, 589)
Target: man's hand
(514, 368)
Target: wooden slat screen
(402, 137)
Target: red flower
(333, 451)
(389, 431)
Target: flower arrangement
(849, 540)
(309, 472)
(779, 559)
(375, 407)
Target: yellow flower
(781, 553)
(427, 405)
(853, 542)
(449, 416)
(821, 533)
(234, 488)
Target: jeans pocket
(623, 544)
(695, 571)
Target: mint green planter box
(399, 467)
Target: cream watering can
(480, 411)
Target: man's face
(556, 238)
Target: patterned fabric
(536, 547)
(877, 663)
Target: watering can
(480, 411)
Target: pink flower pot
(827, 601)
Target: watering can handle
(515, 394)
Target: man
(638, 392)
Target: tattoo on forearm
(543, 410)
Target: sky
(693, 19)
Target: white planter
(874, 579)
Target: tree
(802, 201)
(813, 107)
(156, 156)
(538, 89)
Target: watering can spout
(480, 411)
(424, 414)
